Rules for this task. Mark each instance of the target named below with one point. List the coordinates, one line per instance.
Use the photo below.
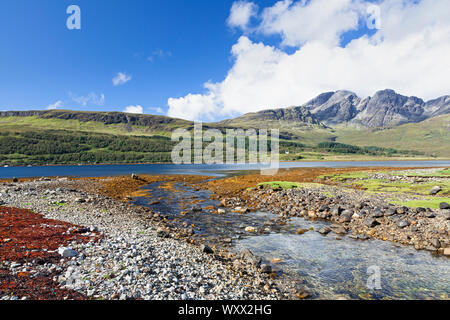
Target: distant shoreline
(169, 163)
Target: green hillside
(61, 137)
(431, 136)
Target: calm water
(331, 268)
(115, 170)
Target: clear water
(115, 170)
(331, 268)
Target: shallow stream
(331, 266)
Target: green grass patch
(346, 176)
(381, 185)
(281, 185)
(287, 185)
(432, 203)
(440, 174)
(60, 204)
(363, 181)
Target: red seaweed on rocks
(27, 237)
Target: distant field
(431, 136)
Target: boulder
(444, 206)
(403, 224)
(207, 249)
(362, 213)
(402, 210)
(324, 230)
(336, 211)
(435, 190)
(435, 243)
(162, 233)
(390, 212)
(377, 213)
(340, 230)
(134, 176)
(265, 268)
(345, 218)
(301, 231)
(430, 215)
(67, 252)
(249, 257)
(250, 229)
(241, 210)
(371, 223)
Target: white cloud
(194, 106)
(57, 105)
(241, 13)
(91, 99)
(408, 54)
(318, 20)
(120, 79)
(159, 54)
(134, 109)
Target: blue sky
(43, 62)
(168, 48)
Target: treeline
(66, 147)
(341, 148)
(69, 147)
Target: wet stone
(207, 249)
(324, 230)
(265, 268)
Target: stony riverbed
(189, 252)
(354, 212)
(137, 257)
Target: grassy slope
(431, 136)
(36, 123)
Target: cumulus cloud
(241, 13)
(408, 54)
(134, 109)
(91, 99)
(57, 105)
(318, 20)
(120, 79)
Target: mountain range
(385, 109)
(385, 120)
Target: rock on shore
(354, 212)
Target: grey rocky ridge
(385, 108)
